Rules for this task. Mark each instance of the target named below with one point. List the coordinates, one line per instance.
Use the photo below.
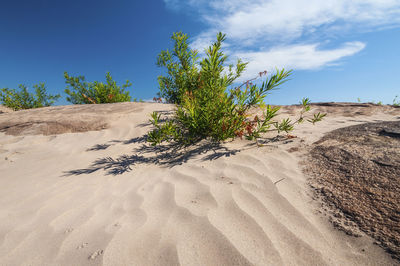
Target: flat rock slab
(356, 173)
(63, 119)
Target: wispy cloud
(173, 4)
(291, 19)
(288, 33)
(296, 57)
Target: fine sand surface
(80, 186)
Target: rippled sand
(104, 197)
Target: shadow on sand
(168, 155)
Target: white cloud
(291, 19)
(177, 5)
(202, 41)
(295, 57)
(285, 25)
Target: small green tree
(182, 70)
(95, 92)
(23, 99)
(205, 106)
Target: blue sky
(339, 50)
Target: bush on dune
(205, 107)
(23, 99)
(83, 92)
(396, 103)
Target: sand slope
(105, 198)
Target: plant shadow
(99, 147)
(167, 155)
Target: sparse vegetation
(23, 99)
(83, 92)
(205, 108)
(395, 102)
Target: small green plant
(23, 99)
(182, 69)
(359, 100)
(205, 108)
(95, 92)
(396, 103)
(378, 103)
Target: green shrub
(396, 103)
(182, 70)
(205, 108)
(23, 99)
(95, 92)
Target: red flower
(239, 134)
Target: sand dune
(98, 195)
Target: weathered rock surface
(356, 172)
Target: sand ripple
(239, 205)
